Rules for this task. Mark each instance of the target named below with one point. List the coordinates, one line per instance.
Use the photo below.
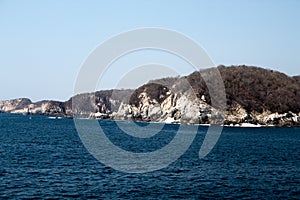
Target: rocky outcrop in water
(25, 106)
(254, 95)
(19, 105)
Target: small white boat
(54, 117)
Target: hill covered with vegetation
(255, 89)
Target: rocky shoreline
(149, 113)
(169, 100)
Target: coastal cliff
(254, 95)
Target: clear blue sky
(43, 43)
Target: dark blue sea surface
(45, 158)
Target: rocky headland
(254, 96)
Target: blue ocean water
(45, 158)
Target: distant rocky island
(254, 96)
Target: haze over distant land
(44, 43)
